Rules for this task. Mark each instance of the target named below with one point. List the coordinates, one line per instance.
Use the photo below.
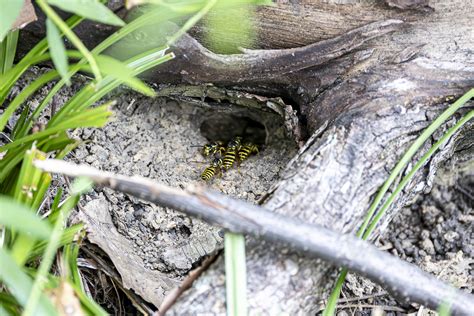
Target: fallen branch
(403, 280)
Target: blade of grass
(26, 186)
(95, 117)
(403, 162)
(90, 94)
(66, 238)
(10, 305)
(46, 262)
(51, 248)
(90, 9)
(8, 51)
(42, 188)
(8, 79)
(20, 124)
(191, 21)
(25, 93)
(443, 140)
(87, 302)
(22, 219)
(57, 50)
(51, 14)
(236, 274)
(70, 255)
(19, 284)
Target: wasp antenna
(196, 146)
(195, 161)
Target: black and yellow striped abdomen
(208, 173)
(246, 150)
(229, 158)
(212, 170)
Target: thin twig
(385, 308)
(173, 296)
(360, 298)
(403, 280)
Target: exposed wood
(401, 279)
(27, 15)
(360, 111)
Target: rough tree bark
(375, 101)
(359, 107)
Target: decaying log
(360, 109)
(404, 281)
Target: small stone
(451, 236)
(425, 234)
(427, 245)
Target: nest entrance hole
(225, 127)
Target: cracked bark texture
(361, 110)
(375, 102)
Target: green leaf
(19, 283)
(57, 50)
(8, 14)
(22, 219)
(90, 9)
(118, 70)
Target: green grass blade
(70, 255)
(89, 9)
(22, 219)
(67, 237)
(47, 260)
(8, 51)
(9, 304)
(51, 14)
(96, 117)
(336, 292)
(88, 303)
(119, 71)
(413, 171)
(57, 50)
(149, 17)
(8, 79)
(21, 123)
(94, 92)
(19, 284)
(444, 309)
(403, 162)
(25, 93)
(8, 14)
(42, 188)
(236, 274)
(192, 21)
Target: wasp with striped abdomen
(246, 150)
(231, 152)
(212, 170)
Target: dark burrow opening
(224, 127)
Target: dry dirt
(154, 138)
(436, 233)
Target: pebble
(427, 245)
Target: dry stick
(403, 280)
(173, 296)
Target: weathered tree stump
(363, 78)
